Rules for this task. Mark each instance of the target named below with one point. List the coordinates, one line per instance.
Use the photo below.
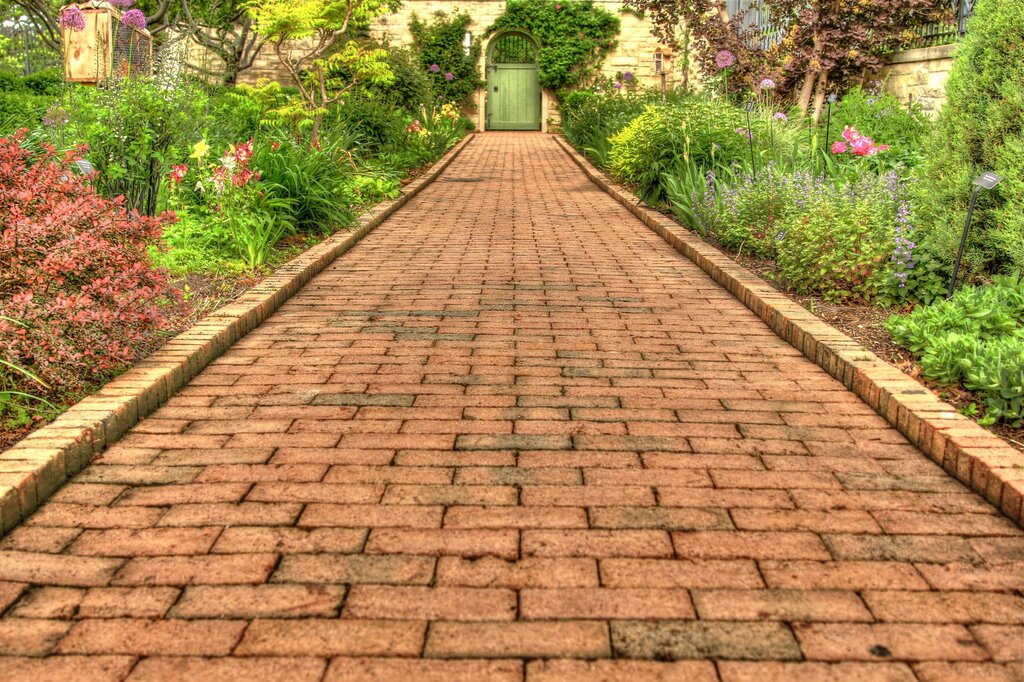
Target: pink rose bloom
(863, 146)
(839, 148)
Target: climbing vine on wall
(574, 36)
(441, 53)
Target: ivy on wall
(443, 56)
(574, 37)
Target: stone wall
(634, 53)
(920, 75)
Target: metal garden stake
(750, 141)
(987, 180)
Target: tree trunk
(231, 70)
(806, 91)
(819, 94)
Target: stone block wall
(634, 53)
(920, 75)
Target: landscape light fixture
(987, 180)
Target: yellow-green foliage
(314, 41)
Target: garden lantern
(987, 180)
(101, 42)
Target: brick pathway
(513, 435)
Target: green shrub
(840, 241)
(652, 144)
(884, 118)
(590, 118)
(440, 49)
(135, 131)
(312, 180)
(981, 128)
(575, 36)
(22, 110)
(977, 339)
(413, 84)
(749, 216)
(48, 82)
(377, 128)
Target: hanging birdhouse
(102, 42)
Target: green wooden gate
(513, 90)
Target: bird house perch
(105, 47)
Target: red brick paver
(513, 435)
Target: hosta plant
(975, 339)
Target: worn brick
(671, 640)
(148, 638)
(322, 637)
(259, 601)
(355, 569)
(261, 669)
(564, 639)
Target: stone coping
(36, 467)
(974, 456)
(922, 54)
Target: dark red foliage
(75, 278)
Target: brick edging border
(973, 455)
(34, 468)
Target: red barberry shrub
(78, 296)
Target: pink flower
(243, 152)
(134, 18)
(434, 68)
(779, 116)
(449, 76)
(72, 19)
(839, 148)
(178, 172)
(767, 84)
(617, 85)
(724, 59)
(862, 146)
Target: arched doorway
(513, 87)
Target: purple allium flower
(123, 4)
(449, 76)
(434, 68)
(767, 84)
(134, 18)
(724, 59)
(72, 19)
(747, 133)
(618, 85)
(627, 76)
(779, 116)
